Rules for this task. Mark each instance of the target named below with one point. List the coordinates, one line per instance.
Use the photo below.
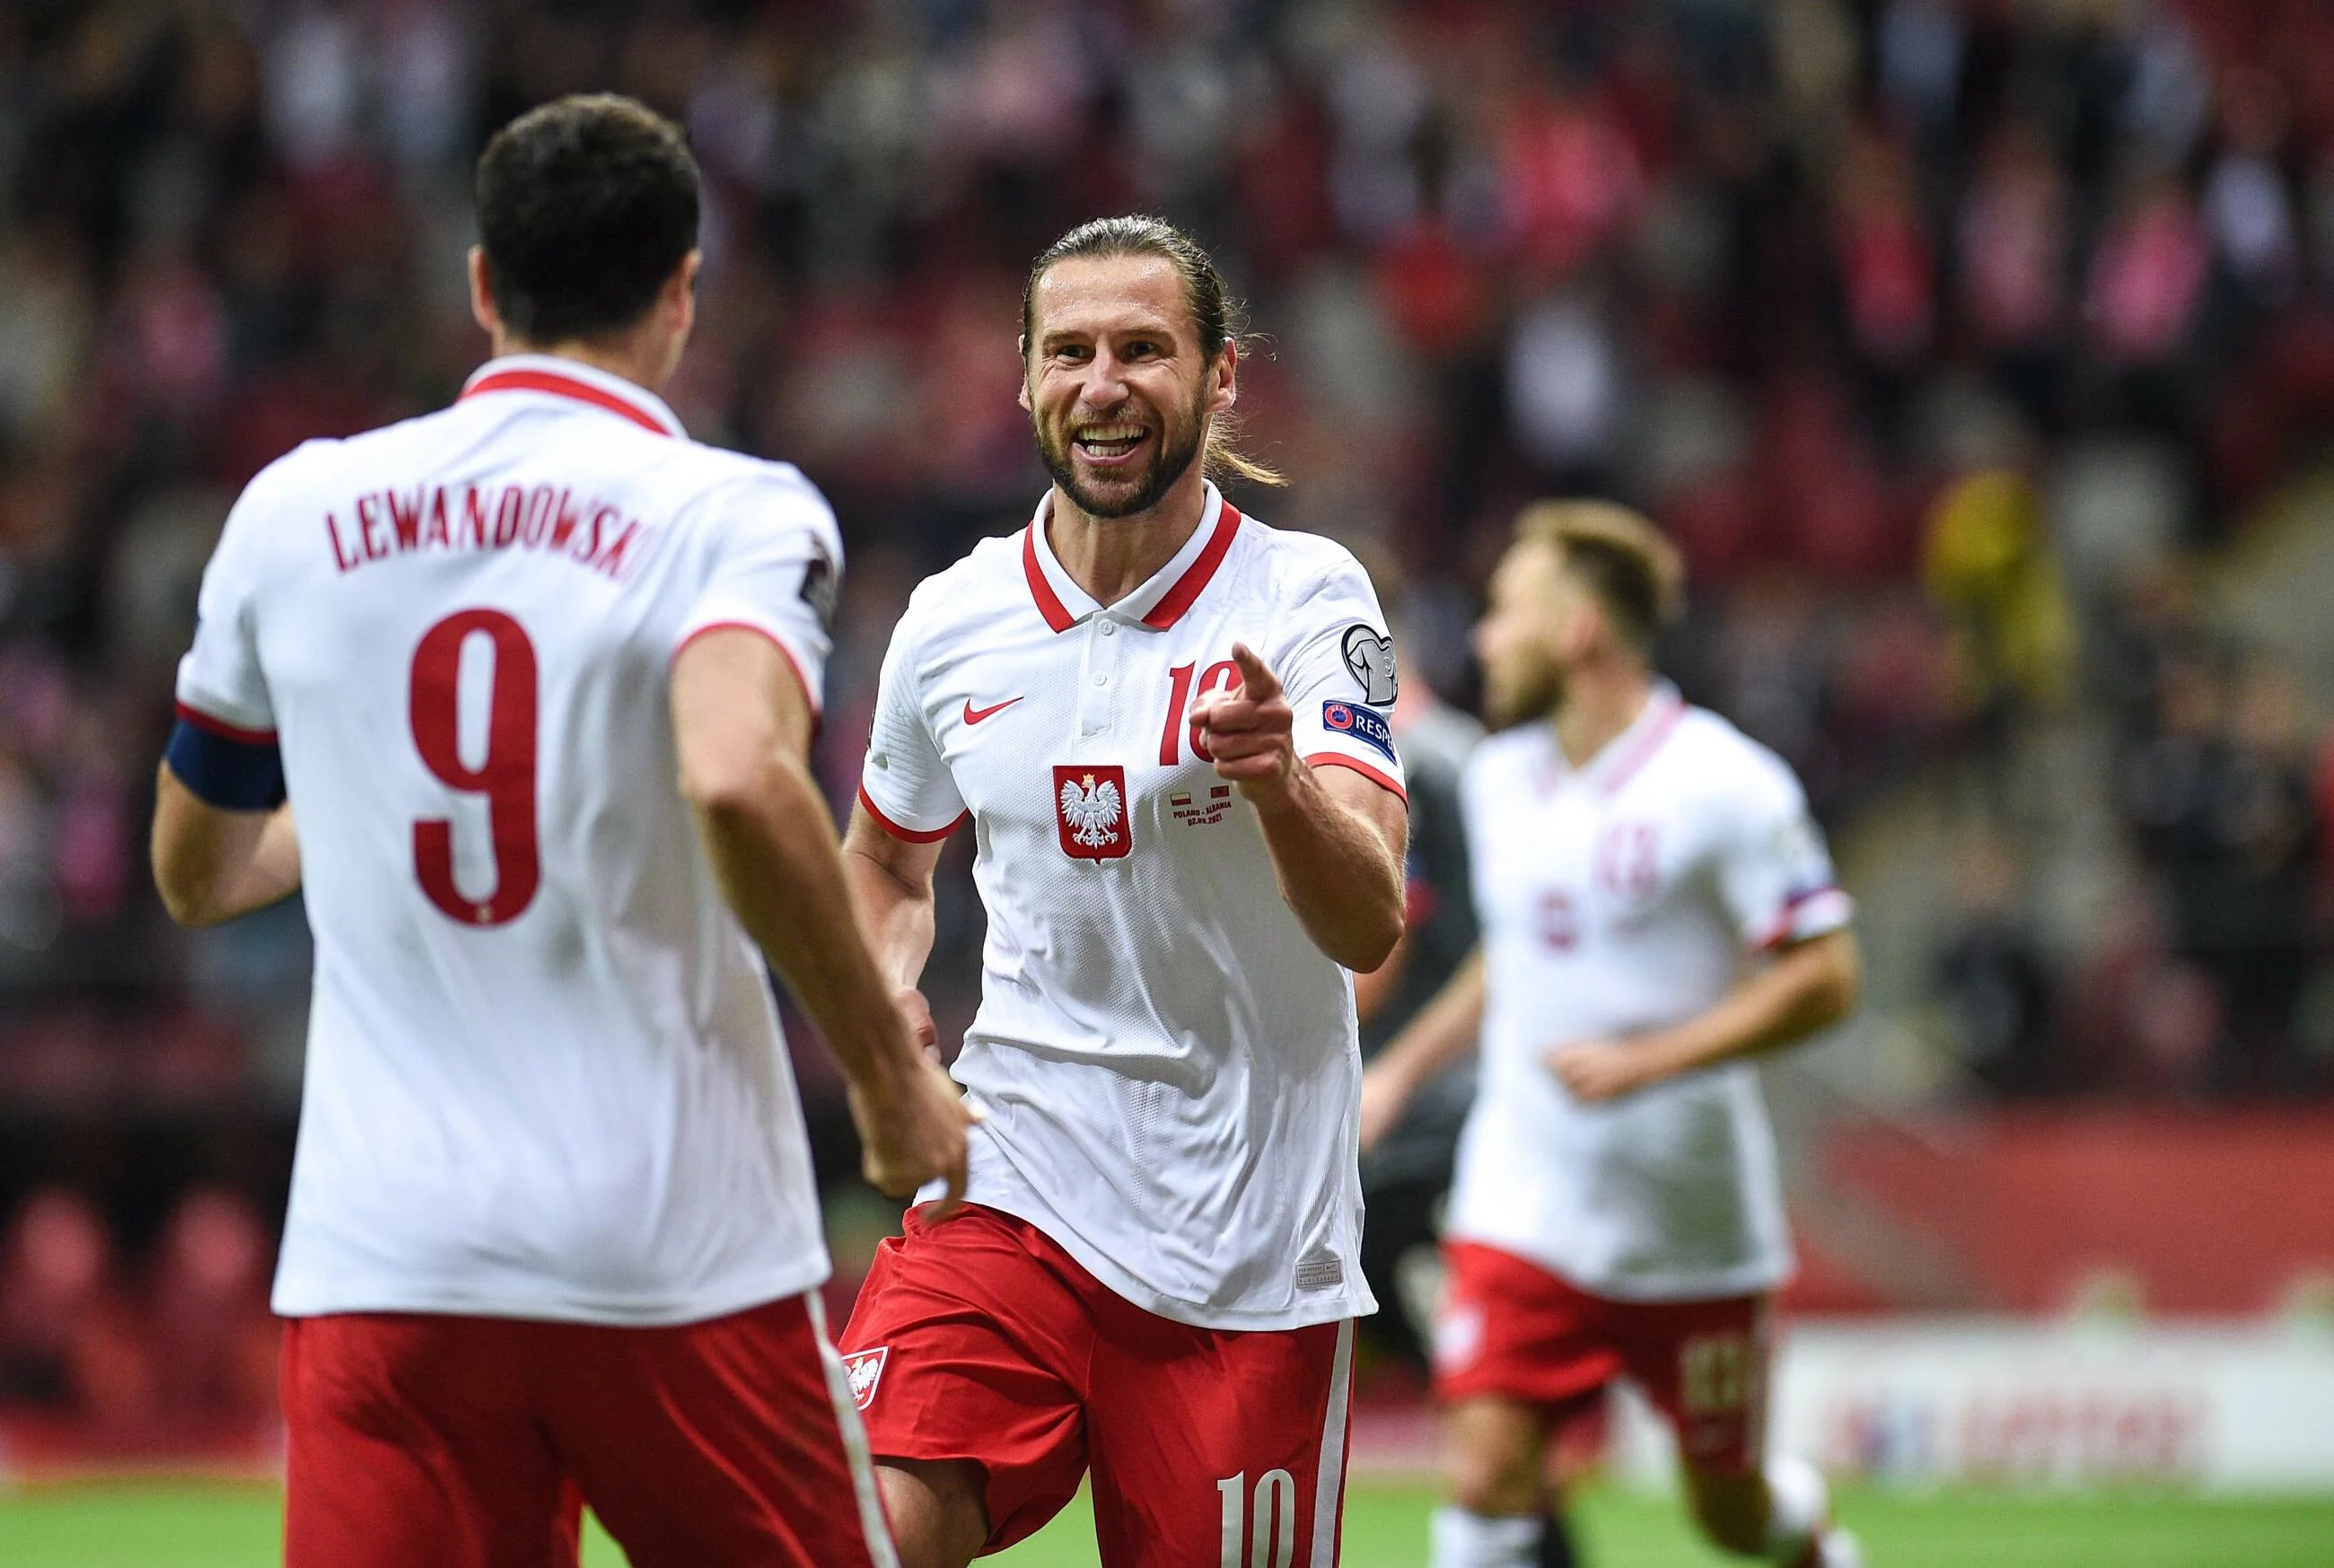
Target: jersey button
(1102, 680)
(1110, 629)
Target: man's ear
(1227, 373)
(680, 290)
(482, 294)
(1588, 628)
(1021, 344)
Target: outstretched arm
(1337, 838)
(742, 724)
(1810, 986)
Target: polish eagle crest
(1092, 809)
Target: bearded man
(1658, 909)
(1167, 725)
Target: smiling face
(1119, 391)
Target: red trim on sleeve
(910, 835)
(565, 387)
(1780, 934)
(1339, 759)
(1193, 582)
(1049, 603)
(223, 730)
(772, 638)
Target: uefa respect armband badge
(1364, 724)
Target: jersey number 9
(504, 774)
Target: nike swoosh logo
(975, 714)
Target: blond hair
(1636, 572)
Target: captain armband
(235, 770)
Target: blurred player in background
(1657, 908)
(1166, 724)
(554, 1232)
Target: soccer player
(1166, 724)
(1658, 909)
(538, 675)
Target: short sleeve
(221, 686)
(777, 568)
(1337, 667)
(905, 784)
(1774, 872)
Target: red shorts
(1508, 1329)
(426, 1441)
(980, 1339)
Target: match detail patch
(1364, 724)
(866, 1369)
(1188, 808)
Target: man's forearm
(898, 916)
(1444, 1030)
(1808, 987)
(1336, 871)
(772, 850)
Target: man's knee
(938, 1509)
(1497, 1451)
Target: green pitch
(181, 1525)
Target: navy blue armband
(236, 770)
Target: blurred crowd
(1953, 338)
(97, 1352)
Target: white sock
(1838, 1549)
(1465, 1540)
(1799, 1505)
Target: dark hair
(585, 205)
(1636, 572)
(1214, 313)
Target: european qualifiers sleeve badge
(1369, 658)
(821, 585)
(1366, 724)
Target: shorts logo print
(1458, 1335)
(1090, 810)
(866, 1369)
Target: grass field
(179, 1526)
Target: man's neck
(1111, 557)
(1600, 701)
(637, 359)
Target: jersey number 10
(504, 774)
(1269, 1528)
(1222, 676)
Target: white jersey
(1614, 899)
(545, 1077)
(1167, 1062)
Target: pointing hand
(1249, 728)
